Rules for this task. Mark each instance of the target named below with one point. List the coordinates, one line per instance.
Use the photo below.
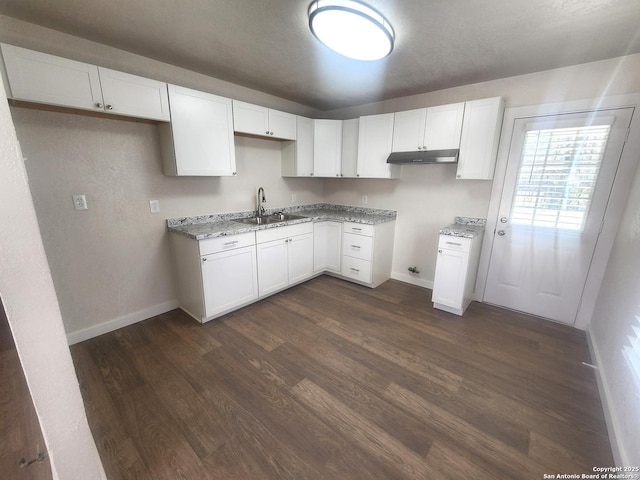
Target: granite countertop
(220, 225)
(466, 227)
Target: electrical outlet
(80, 202)
(364, 199)
(154, 206)
(294, 198)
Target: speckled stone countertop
(220, 225)
(465, 227)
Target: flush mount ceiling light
(351, 28)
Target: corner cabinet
(327, 246)
(375, 139)
(481, 129)
(297, 155)
(456, 271)
(42, 78)
(327, 148)
(199, 139)
(264, 122)
(285, 257)
(215, 276)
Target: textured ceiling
(266, 45)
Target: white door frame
(621, 185)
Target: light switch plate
(154, 206)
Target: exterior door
(559, 176)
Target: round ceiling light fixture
(351, 28)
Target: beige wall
(32, 310)
(111, 264)
(428, 197)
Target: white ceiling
(266, 44)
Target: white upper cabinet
(480, 136)
(297, 156)
(42, 78)
(433, 128)
(327, 148)
(199, 139)
(126, 94)
(262, 121)
(350, 147)
(375, 137)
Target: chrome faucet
(259, 203)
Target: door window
(557, 177)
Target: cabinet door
(448, 285)
(229, 279)
(443, 126)
(297, 156)
(408, 130)
(202, 132)
(350, 147)
(249, 118)
(327, 246)
(375, 136)
(282, 125)
(327, 148)
(273, 271)
(126, 94)
(480, 136)
(300, 257)
(38, 77)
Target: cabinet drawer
(356, 269)
(357, 246)
(220, 244)
(358, 228)
(278, 233)
(460, 244)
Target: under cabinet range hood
(424, 157)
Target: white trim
(124, 321)
(622, 183)
(403, 277)
(613, 425)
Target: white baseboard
(403, 277)
(619, 455)
(126, 320)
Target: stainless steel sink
(267, 219)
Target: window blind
(557, 176)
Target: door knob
(501, 233)
(504, 219)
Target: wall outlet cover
(80, 202)
(154, 206)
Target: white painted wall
(32, 309)
(616, 309)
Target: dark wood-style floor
(330, 380)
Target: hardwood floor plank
(331, 380)
(361, 431)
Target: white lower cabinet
(285, 257)
(327, 246)
(215, 276)
(367, 251)
(456, 270)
